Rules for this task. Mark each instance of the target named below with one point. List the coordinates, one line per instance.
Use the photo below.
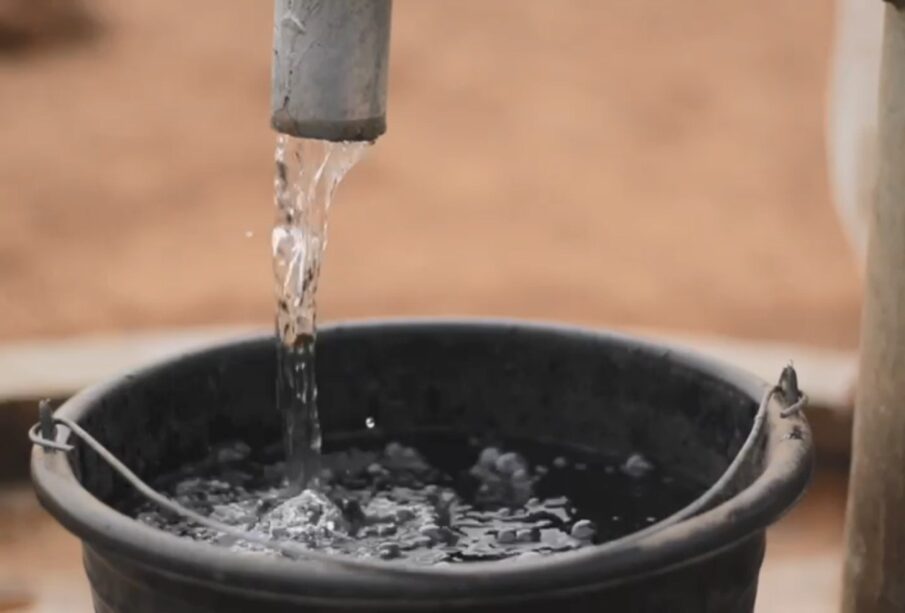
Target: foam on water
(393, 504)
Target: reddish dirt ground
(609, 163)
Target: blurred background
(633, 164)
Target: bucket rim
(672, 542)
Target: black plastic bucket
(596, 390)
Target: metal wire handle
(790, 394)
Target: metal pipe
(329, 77)
(875, 519)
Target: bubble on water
(583, 530)
(489, 456)
(509, 463)
(637, 466)
(233, 452)
(528, 535)
(388, 551)
(506, 536)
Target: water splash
(307, 175)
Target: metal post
(875, 526)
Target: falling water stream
(307, 174)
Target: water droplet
(370, 423)
(637, 466)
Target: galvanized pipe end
(330, 60)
